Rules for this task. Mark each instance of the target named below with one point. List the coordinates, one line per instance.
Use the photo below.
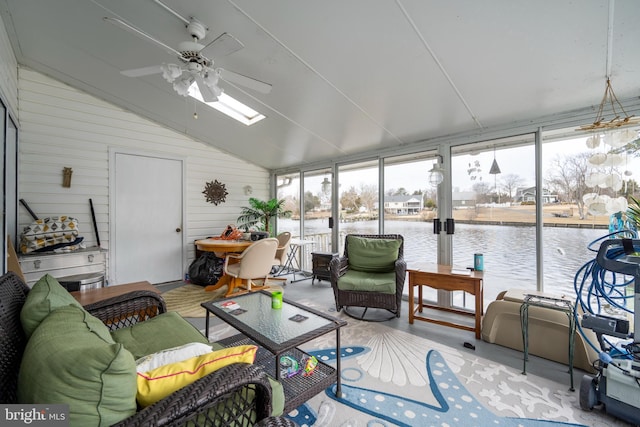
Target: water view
(509, 251)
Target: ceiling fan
(194, 62)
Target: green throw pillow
(165, 331)
(71, 359)
(46, 296)
(372, 255)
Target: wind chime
(495, 170)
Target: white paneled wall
(64, 127)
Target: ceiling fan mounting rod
(171, 11)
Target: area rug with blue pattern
(393, 378)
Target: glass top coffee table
(277, 333)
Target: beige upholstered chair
(254, 263)
(283, 249)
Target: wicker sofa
(237, 394)
(370, 274)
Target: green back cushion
(158, 333)
(71, 358)
(372, 255)
(46, 296)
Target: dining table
(221, 248)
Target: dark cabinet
(321, 262)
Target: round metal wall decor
(215, 192)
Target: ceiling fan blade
(144, 71)
(222, 45)
(141, 34)
(245, 81)
(207, 93)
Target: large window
(587, 180)
(310, 214)
(488, 179)
(8, 180)
(288, 188)
(317, 210)
(3, 179)
(358, 200)
(532, 229)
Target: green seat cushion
(158, 333)
(372, 255)
(361, 281)
(71, 359)
(46, 296)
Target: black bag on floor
(206, 270)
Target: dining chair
(254, 263)
(280, 259)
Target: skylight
(229, 106)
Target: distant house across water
(529, 195)
(403, 204)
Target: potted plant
(261, 213)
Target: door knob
(178, 230)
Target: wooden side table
(94, 295)
(130, 310)
(443, 277)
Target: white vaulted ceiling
(348, 76)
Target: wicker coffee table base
(297, 389)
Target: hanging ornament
(614, 182)
(613, 139)
(594, 179)
(593, 141)
(628, 135)
(613, 160)
(495, 169)
(597, 159)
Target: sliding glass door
(409, 207)
(491, 218)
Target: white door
(147, 219)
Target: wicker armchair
(368, 298)
(238, 394)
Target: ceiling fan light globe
(211, 78)
(170, 72)
(182, 86)
(194, 67)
